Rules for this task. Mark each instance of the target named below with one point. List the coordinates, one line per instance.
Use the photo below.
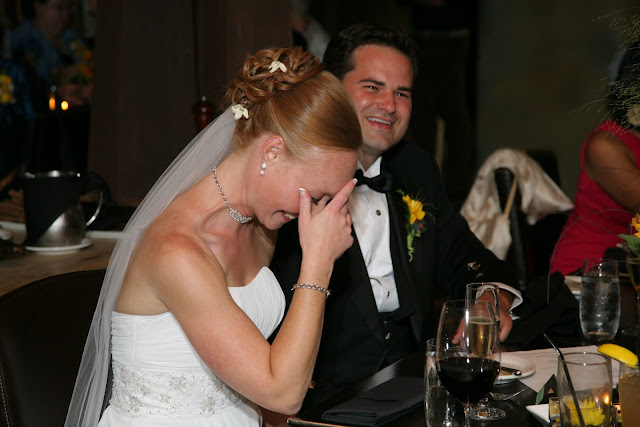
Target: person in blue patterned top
(16, 118)
(57, 54)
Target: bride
(188, 299)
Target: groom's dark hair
(338, 58)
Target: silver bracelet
(327, 292)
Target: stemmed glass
(467, 351)
(490, 292)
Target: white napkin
(546, 361)
(4, 234)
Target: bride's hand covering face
(326, 234)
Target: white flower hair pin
(633, 115)
(277, 64)
(238, 111)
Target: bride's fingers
(323, 202)
(304, 214)
(337, 202)
(318, 205)
(342, 196)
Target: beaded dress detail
(159, 379)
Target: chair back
(43, 329)
(531, 245)
(520, 253)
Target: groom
(383, 288)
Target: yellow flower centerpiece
(633, 240)
(415, 222)
(591, 413)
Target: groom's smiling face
(380, 85)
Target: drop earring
(263, 166)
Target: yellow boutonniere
(6, 89)
(415, 223)
(415, 209)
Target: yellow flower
(6, 89)
(415, 209)
(633, 240)
(636, 224)
(84, 69)
(592, 414)
(414, 215)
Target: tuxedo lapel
(405, 285)
(352, 271)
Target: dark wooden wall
(148, 77)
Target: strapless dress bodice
(159, 379)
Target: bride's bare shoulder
(179, 244)
(166, 261)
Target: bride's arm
(192, 285)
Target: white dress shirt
(370, 215)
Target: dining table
(516, 410)
(413, 366)
(26, 266)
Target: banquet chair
(43, 328)
(520, 254)
(531, 245)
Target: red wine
(468, 379)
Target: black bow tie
(380, 183)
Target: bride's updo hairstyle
(305, 105)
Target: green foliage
(633, 242)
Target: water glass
(633, 268)
(600, 300)
(440, 408)
(590, 376)
(629, 391)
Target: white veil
(197, 159)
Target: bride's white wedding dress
(159, 379)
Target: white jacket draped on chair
(539, 194)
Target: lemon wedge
(619, 353)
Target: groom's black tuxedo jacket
(447, 256)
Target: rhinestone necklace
(237, 216)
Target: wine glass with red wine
(490, 292)
(467, 351)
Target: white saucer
(527, 367)
(60, 250)
(541, 412)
